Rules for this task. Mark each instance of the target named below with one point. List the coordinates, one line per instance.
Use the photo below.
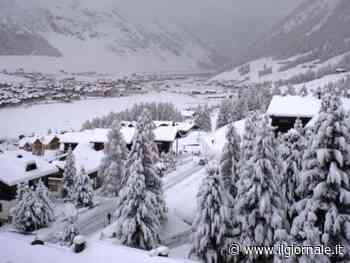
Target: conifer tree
(202, 118)
(324, 210)
(211, 226)
(30, 213)
(294, 144)
(259, 200)
(141, 204)
(43, 194)
(83, 190)
(137, 216)
(113, 165)
(149, 127)
(69, 176)
(224, 116)
(229, 162)
(250, 131)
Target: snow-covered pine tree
(229, 162)
(30, 213)
(324, 211)
(113, 164)
(137, 215)
(241, 108)
(294, 144)
(69, 176)
(211, 226)
(259, 201)
(250, 131)
(150, 126)
(224, 116)
(113, 179)
(202, 118)
(84, 193)
(141, 170)
(43, 194)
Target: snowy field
(65, 116)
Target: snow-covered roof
(96, 135)
(165, 133)
(93, 135)
(48, 138)
(185, 126)
(297, 106)
(26, 140)
(43, 139)
(85, 156)
(13, 167)
(294, 106)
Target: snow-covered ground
(275, 65)
(181, 187)
(96, 251)
(67, 116)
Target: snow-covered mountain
(316, 25)
(313, 41)
(89, 35)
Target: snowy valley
(122, 139)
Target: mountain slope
(316, 25)
(310, 43)
(87, 36)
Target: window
(31, 167)
(0, 207)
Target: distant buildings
(43, 157)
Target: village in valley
(174, 131)
(67, 187)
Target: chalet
(51, 142)
(19, 167)
(97, 137)
(25, 143)
(283, 111)
(85, 156)
(38, 147)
